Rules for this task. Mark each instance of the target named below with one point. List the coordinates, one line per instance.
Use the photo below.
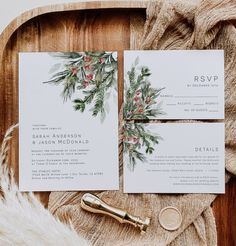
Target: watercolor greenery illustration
(136, 137)
(141, 99)
(141, 102)
(87, 79)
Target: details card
(174, 84)
(68, 121)
(174, 158)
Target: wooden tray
(110, 25)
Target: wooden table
(76, 27)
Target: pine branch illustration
(136, 137)
(99, 103)
(133, 157)
(92, 73)
(141, 100)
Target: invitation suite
(174, 158)
(68, 121)
(174, 84)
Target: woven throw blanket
(170, 24)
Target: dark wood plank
(225, 215)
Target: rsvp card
(68, 121)
(174, 158)
(174, 84)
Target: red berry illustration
(87, 58)
(140, 111)
(85, 84)
(136, 99)
(88, 67)
(74, 71)
(101, 60)
(89, 76)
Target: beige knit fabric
(171, 24)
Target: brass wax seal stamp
(170, 218)
(94, 204)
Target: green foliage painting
(136, 136)
(87, 79)
(141, 102)
(141, 99)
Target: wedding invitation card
(174, 158)
(174, 84)
(68, 117)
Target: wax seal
(170, 218)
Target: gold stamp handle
(94, 204)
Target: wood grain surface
(77, 27)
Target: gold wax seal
(170, 218)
